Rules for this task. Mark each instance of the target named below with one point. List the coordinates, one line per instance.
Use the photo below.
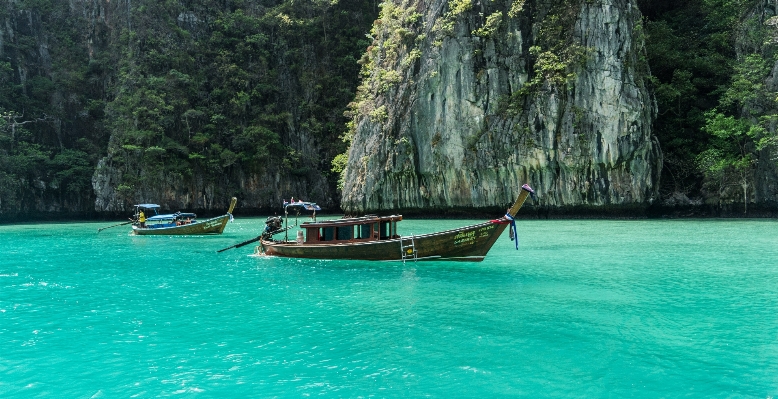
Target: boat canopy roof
(148, 206)
(352, 221)
(310, 206)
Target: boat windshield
(161, 217)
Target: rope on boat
(507, 219)
(512, 230)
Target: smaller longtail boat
(177, 223)
(376, 238)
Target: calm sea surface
(645, 309)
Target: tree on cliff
(731, 160)
(691, 48)
(176, 91)
(24, 163)
(213, 94)
(710, 63)
(49, 99)
(739, 136)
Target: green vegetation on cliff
(51, 101)
(184, 90)
(710, 60)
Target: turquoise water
(644, 309)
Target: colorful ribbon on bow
(512, 229)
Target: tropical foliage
(182, 89)
(215, 90)
(710, 60)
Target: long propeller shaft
(116, 225)
(255, 239)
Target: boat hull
(209, 226)
(470, 243)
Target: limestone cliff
(462, 102)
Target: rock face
(258, 191)
(464, 102)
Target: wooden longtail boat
(178, 223)
(376, 238)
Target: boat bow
(526, 191)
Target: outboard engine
(272, 226)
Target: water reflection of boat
(377, 238)
(178, 223)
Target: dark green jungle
(166, 93)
